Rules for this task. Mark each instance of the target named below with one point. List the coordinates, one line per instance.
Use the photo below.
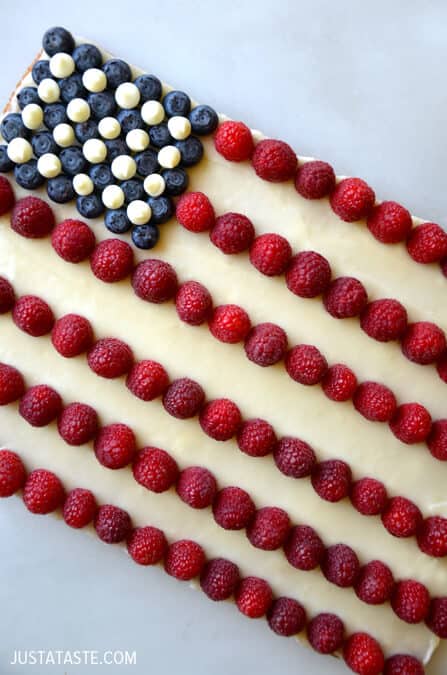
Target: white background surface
(360, 84)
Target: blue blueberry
(87, 56)
(26, 96)
(54, 114)
(176, 181)
(56, 40)
(60, 189)
(160, 136)
(116, 221)
(117, 72)
(41, 70)
(133, 189)
(86, 130)
(102, 104)
(73, 161)
(44, 142)
(5, 163)
(72, 87)
(13, 127)
(147, 162)
(145, 236)
(27, 175)
(162, 209)
(204, 120)
(101, 175)
(177, 103)
(130, 119)
(90, 206)
(191, 150)
(150, 87)
(115, 148)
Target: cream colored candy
(62, 65)
(32, 116)
(154, 185)
(124, 167)
(127, 95)
(152, 112)
(19, 150)
(83, 184)
(109, 127)
(63, 134)
(139, 212)
(48, 90)
(49, 165)
(169, 157)
(95, 151)
(78, 110)
(179, 127)
(94, 80)
(137, 140)
(112, 197)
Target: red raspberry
(294, 457)
(12, 473)
(437, 441)
(195, 212)
(306, 364)
(79, 508)
(115, 446)
(331, 480)
(112, 260)
(325, 633)
(219, 579)
(256, 438)
(432, 536)
(73, 240)
(43, 492)
(229, 323)
(233, 140)
(363, 654)
(78, 424)
(286, 617)
(112, 524)
(352, 199)
(266, 344)
(33, 315)
(184, 560)
(375, 401)
(196, 486)
(411, 423)
(193, 303)
(374, 583)
(72, 335)
(441, 367)
(7, 198)
(368, 496)
(232, 233)
(437, 617)
(12, 385)
(308, 275)
(270, 254)
(269, 528)
(7, 295)
(274, 161)
(147, 545)
(403, 664)
(32, 218)
(410, 601)
(339, 383)
(423, 342)
(384, 320)
(315, 180)
(304, 548)
(340, 565)
(427, 243)
(233, 508)
(40, 405)
(110, 358)
(147, 380)
(389, 222)
(253, 597)
(401, 517)
(183, 398)
(220, 419)
(154, 281)
(155, 469)
(346, 297)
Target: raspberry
(315, 180)
(147, 545)
(437, 440)
(110, 358)
(229, 323)
(233, 508)
(270, 254)
(389, 222)
(286, 617)
(269, 528)
(363, 654)
(33, 315)
(196, 486)
(220, 419)
(331, 480)
(432, 536)
(115, 446)
(403, 664)
(325, 633)
(112, 260)
(374, 583)
(346, 297)
(410, 601)
(306, 364)
(441, 367)
(7, 296)
(43, 492)
(184, 560)
(401, 517)
(274, 161)
(7, 198)
(340, 565)
(32, 218)
(12, 385)
(183, 398)
(154, 281)
(12, 473)
(233, 140)
(411, 423)
(155, 469)
(40, 405)
(79, 508)
(193, 303)
(352, 199)
(147, 380)
(256, 438)
(437, 617)
(308, 275)
(339, 383)
(368, 496)
(294, 457)
(423, 342)
(232, 233)
(427, 243)
(304, 548)
(72, 335)
(384, 320)
(78, 424)
(112, 524)
(375, 401)
(253, 597)
(219, 579)
(73, 240)
(266, 344)
(195, 212)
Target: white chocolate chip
(137, 140)
(138, 212)
(124, 167)
(48, 90)
(83, 184)
(49, 165)
(154, 185)
(78, 110)
(109, 127)
(179, 127)
(95, 151)
(19, 150)
(152, 112)
(94, 80)
(32, 116)
(112, 197)
(127, 95)
(62, 65)
(169, 157)
(63, 134)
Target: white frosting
(78, 110)
(94, 80)
(137, 140)
(32, 116)
(179, 127)
(127, 95)
(139, 212)
(63, 134)
(95, 150)
(109, 127)
(112, 197)
(19, 150)
(49, 165)
(154, 185)
(152, 112)
(124, 167)
(48, 90)
(62, 65)
(169, 157)
(83, 184)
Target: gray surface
(359, 84)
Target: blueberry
(130, 119)
(102, 104)
(145, 236)
(87, 56)
(72, 87)
(60, 189)
(27, 175)
(191, 150)
(26, 96)
(176, 181)
(44, 142)
(86, 130)
(133, 189)
(41, 70)
(162, 209)
(177, 103)
(204, 120)
(5, 163)
(73, 161)
(150, 87)
(116, 221)
(160, 136)
(90, 206)
(117, 72)
(115, 148)
(147, 162)
(56, 40)
(101, 175)
(13, 127)
(54, 114)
